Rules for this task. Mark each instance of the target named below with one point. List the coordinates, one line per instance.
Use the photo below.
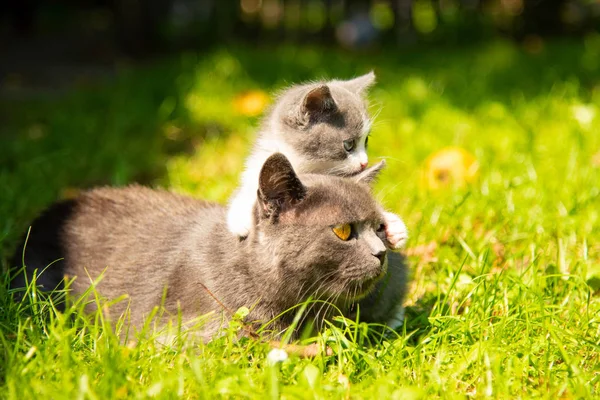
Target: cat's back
(137, 215)
(123, 227)
(135, 199)
(133, 212)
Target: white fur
(398, 319)
(359, 156)
(395, 230)
(239, 214)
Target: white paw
(397, 319)
(239, 220)
(395, 231)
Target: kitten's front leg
(239, 213)
(395, 231)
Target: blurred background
(46, 42)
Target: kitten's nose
(363, 165)
(381, 256)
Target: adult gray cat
(312, 235)
(321, 127)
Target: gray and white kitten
(160, 248)
(321, 128)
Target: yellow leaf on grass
(449, 167)
(251, 103)
(596, 160)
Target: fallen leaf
(251, 103)
(596, 160)
(449, 167)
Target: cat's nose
(363, 165)
(381, 256)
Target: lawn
(504, 299)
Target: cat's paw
(395, 231)
(239, 222)
(397, 320)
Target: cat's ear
(318, 101)
(370, 174)
(360, 84)
(278, 186)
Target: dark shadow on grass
(416, 319)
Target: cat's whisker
(392, 158)
(375, 115)
(325, 306)
(316, 296)
(383, 195)
(318, 315)
(299, 294)
(312, 304)
(321, 283)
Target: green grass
(505, 294)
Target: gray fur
(147, 240)
(314, 119)
(308, 124)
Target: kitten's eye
(349, 145)
(343, 231)
(381, 228)
(366, 142)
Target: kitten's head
(324, 126)
(320, 235)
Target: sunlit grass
(504, 299)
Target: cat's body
(148, 241)
(321, 128)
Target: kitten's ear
(318, 101)
(278, 186)
(370, 174)
(360, 84)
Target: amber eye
(343, 231)
(349, 145)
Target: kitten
(321, 128)
(312, 235)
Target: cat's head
(324, 126)
(320, 235)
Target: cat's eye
(349, 145)
(381, 228)
(366, 142)
(343, 231)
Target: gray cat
(322, 128)
(312, 235)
